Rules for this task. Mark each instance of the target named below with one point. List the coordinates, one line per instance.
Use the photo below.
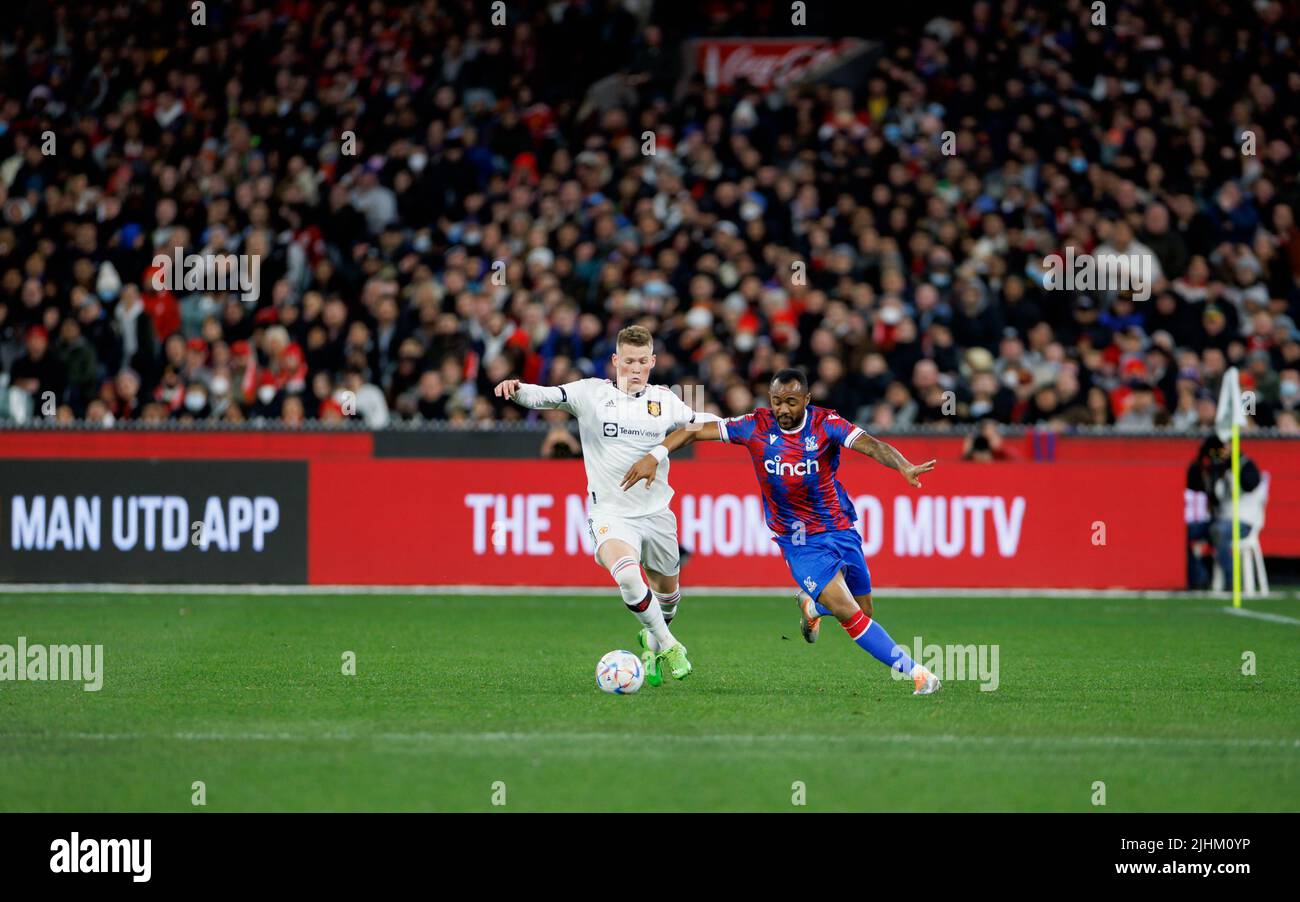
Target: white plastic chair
(1254, 575)
(1252, 556)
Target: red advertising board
(508, 522)
(1118, 458)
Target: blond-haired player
(619, 422)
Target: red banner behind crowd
(515, 522)
(767, 64)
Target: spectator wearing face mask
(195, 403)
(524, 155)
(1288, 392)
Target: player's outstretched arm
(647, 466)
(887, 454)
(534, 397)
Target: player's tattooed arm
(887, 454)
(647, 466)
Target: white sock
(641, 602)
(668, 603)
(627, 573)
(653, 619)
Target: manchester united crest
(653, 407)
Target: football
(620, 673)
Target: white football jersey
(617, 430)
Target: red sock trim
(856, 625)
(645, 603)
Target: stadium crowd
(438, 203)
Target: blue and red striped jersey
(796, 470)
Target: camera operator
(1211, 473)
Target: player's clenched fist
(506, 389)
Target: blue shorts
(814, 563)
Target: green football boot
(653, 676)
(675, 659)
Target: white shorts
(653, 538)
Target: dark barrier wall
(141, 521)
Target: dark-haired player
(795, 449)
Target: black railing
(355, 424)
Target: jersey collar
(796, 430)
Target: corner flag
(1230, 412)
(1228, 420)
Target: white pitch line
(597, 739)
(1261, 615)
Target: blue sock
(822, 610)
(872, 638)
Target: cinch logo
(777, 468)
(102, 856)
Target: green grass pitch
(453, 694)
